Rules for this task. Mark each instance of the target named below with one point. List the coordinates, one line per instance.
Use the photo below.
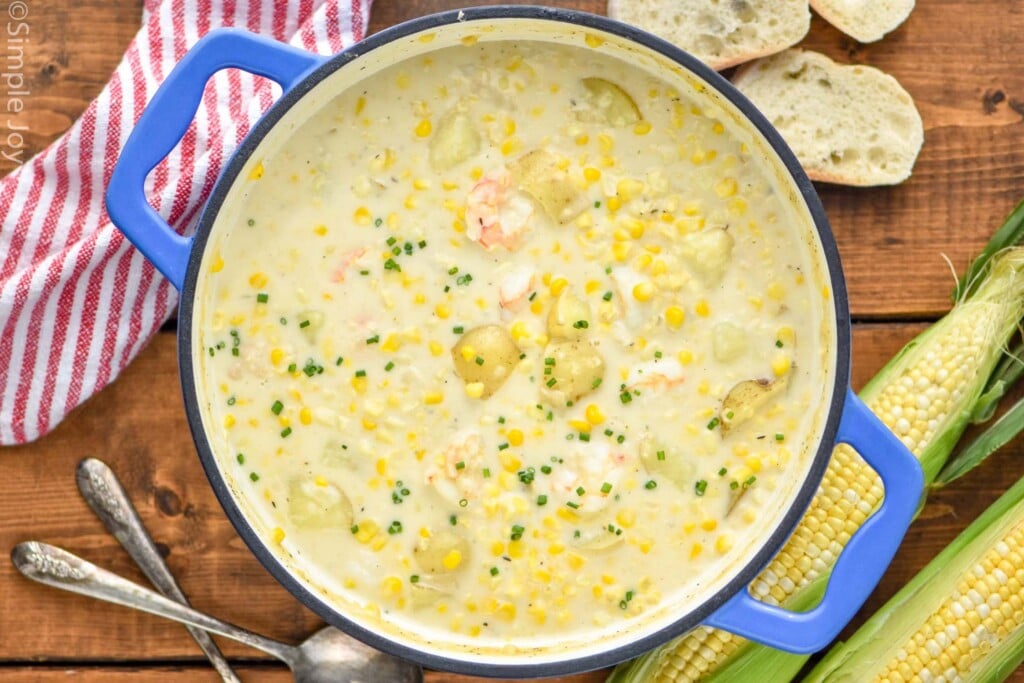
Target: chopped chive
(231, 400)
(391, 241)
(292, 367)
(494, 571)
(501, 419)
(597, 204)
(734, 485)
(453, 520)
(780, 436)
(700, 487)
(750, 481)
(625, 397)
(657, 354)
(607, 296)
(581, 324)
(460, 465)
(286, 432)
(596, 383)
(487, 472)
(463, 502)
(378, 222)
(340, 360)
(464, 279)
(395, 527)
(391, 264)
(713, 423)
(542, 499)
(277, 407)
(778, 343)
(608, 432)
(546, 469)
(517, 532)
(584, 436)
(580, 491)
(651, 484)
(262, 297)
(389, 367)
(606, 488)
(549, 361)
(458, 329)
(304, 324)
(251, 222)
(453, 270)
(661, 455)
(620, 438)
(552, 382)
(360, 373)
(240, 458)
(283, 321)
(423, 244)
(722, 472)
(234, 351)
(415, 578)
(478, 360)
(503, 446)
(254, 477)
(533, 295)
(354, 528)
(574, 506)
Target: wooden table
(959, 58)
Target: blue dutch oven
(847, 420)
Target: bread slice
(852, 125)
(864, 20)
(721, 33)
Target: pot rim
(753, 566)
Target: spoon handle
(108, 499)
(56, 567)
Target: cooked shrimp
(497, 214)
(347, 259)
(455, 472)
(589, 475)
(659, 374)
(515, 288)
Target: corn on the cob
(960, 619)
(926, 394)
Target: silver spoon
(328, 656)
(108, 499)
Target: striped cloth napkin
(77, 301)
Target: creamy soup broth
(513, 344)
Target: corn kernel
(278, 534)
(726, 187)
(229, 421)
(642, 127)
(257, 171)
(643, 291)
(593, 414)
(582, 139)
(591, 174)
(361, 216)
(580, 425)
(432, 398)
(306, 416)
(257, 280)
(781, 365)
(709, 524)
(723, 544)
(776, 291)
(593, 41)
(368, 424)
(628, 189)
(468, 353)
(620, 250)
(452, 560)
(515, 437)
(475, 389)
(702, 308)
(695, 551)
(557, 285)
(423, 128)
(674, 317)
(442, 311)
(392, 585)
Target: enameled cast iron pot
(300, 73)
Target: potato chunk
(537, 174)
(569, 318)
(576, 370)
(667, 462)
(455, 140)
(313, 506)
(442, 552)
(746, 398)
(728, 341)
(485, 355)
(605, 102)
(708, 253)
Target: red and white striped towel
(77, 301)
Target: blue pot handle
(863, 560)
(164, 122)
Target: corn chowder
(514, 344)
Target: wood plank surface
(958, 58)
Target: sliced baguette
(864, 20)
(721, 33)
(852, 125)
